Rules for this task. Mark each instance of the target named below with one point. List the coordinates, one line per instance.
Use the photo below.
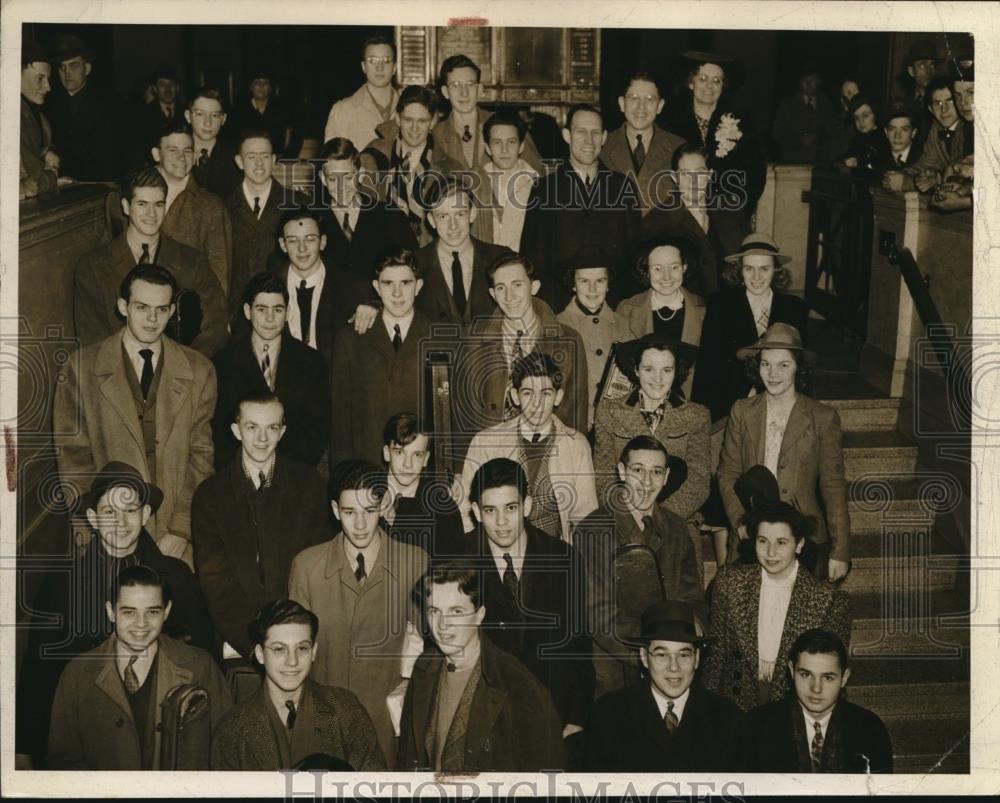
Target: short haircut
(403, 428)
(803, 371)
(152, 274)
(581, 107)
(417, 94)
(535, 363)
(378, 39)
(640, 76)
(253, 133)
(440, 187)
(210, 93)
(395, 256)
(264, 282)
(500, 472)
(935, 84)
(687, 149)
(298, 213)
(173, 127)
(453, 572)
(802, 526)
(340, 149)
(281, 612)
(895, 113)
(643, 443)
(143, 177)
(138, 575)
(511, 258)
(456, 62)
(358, 475)
(818, 641)
(687, 251)
(258, 397)
(504, 118)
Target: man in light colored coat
(357, 116)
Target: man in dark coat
(469, 705)
(669, 722)
(250, 520)
(215, 166)
(39, 163)
(262, 111)
(582, 203)
(814, 729)
(267, 359)
(117, 507)
(165, 109)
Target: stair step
(912, 700)
(867, 415)
(886, 454)
(903, 671)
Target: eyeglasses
(684, 658)
(280, 651)
(293, 241)
(375, 61)
(454, 86)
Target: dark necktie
(265, 366)
(359, 573)
(146, 379)
(291, 714)
(899, 160)
(348, 231)
(670, 718)
(202, 157)
(639, 154)
(587, 181)
(457, 283)
(647, 524)
(263, 481)
(256, 206)
(536, 437)
(510, 576)
(397, 339)
(466, 135)
(946, 136)
(304, 296)
(817, 746)
(131, 678)
(144, 256)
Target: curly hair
(682, 367)
(692, 278)
(733, 275)
(803, 372)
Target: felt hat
(32, 51)
(757, 487)
(921, 50)
(670, 620)
(757, 243)
(777, 336)
(120, 475)
(69, 46)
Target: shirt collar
(515, 550)
(124, 655)
(251, 194)
(527, 432)
(133, 346)
(314, 279)
(662, 701)
(252, 473)
(823, 721)
(273, 347)
(466, 253)
(397, 491)
(370, 552)
(404, 324)
(135, 241)
(647, 136)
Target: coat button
(600, 352)
(597, 320)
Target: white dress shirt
(370, 552)
(134, 240)
(516, 552)
(314, 281)
(391, 324)
(774, 433)
(466, 255)
(262, 197)
(662, 702)
(133, 347)
(824, 723)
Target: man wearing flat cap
(39, 162)
(669, 722)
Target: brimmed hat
(589, 257)
(117, 474)
(920, 50)
(69, 46)
(627, 354)
(166, 71)
(758, 243)
(757, 487)
(691, 60)
(777, 336)
(670, 620)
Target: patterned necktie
(652, 418)
(466, 135)
(817, 746)
(131, 678)
(670, 718)
(144, 256)
(203, 157)
(263, 481)
(510, 576)
(291, 714)
(265, 366)
(147, 371)
(348, 231)
(639, 154)
(256, 206)
(510, 409)
(763, 320)
(304, 296)
(359, 573)
(457, 283)
(397, 339)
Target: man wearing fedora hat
(165, 108)
(669, 722)
(804, 121)
(117, 507)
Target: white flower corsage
(727, 134)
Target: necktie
(536, 437)
(304, 296)
(652, 418)
(263, 481)
(348, 231)
(466, 135)
(131, 678)
(899, 160)
(291, 714)
(359, 573)
(256, 206)
(265, 366)
(587, 182)
(509, 575)
(817, 746)
(147, 371)
(639, 154)
(397, 339)
(144, 256)
(518, 352)
(946, 136)
(670, 718)
(404, 164)
(457, 283)
(202, 157)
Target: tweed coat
(198, 218)
(362, 627)
(811, 456)
(936, 154)
(95, 422)
(653, 179)
(99, 274)
(92, 725)
(36, 139)
(512, 724)
(730, 668)
(341, 728)
(449, 142)
(435, 299)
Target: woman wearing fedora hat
(797, 438)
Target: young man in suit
(358, 226)
(194, 216)
(814, 729)
(39, 163)
(255, 208)
(641, 148)
(215, 166)
(944, 146)
(618, 543)
(291, 718)
(356, 117)
(108, 708)
(139, 398)
(99, 272)
(359, 584)
(532, 586)
(471, 706)
(165, 109)
(669, 722)
(381, 372)
(250, 520)
(555, 457)
(582, 203)
(901, 132)
(455, 264)
(267, 359)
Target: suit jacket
(721, 377)
(430, 519)
(374, 382)
(36, 139)
(244, 545)
(95, 422)
(512, 724)
(153, 122)
(92, 725)
(362, 626)
(682, 430)
(340, 728)
(627, 734)
(220, 174)
(198, 218)
(99, 274)
(449, 142)
(436, 301)
(856, 740)
(301, 382)
(379, 227)
(730, 668)
(653, 179)
(811, 454)
(544, 629)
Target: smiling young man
(39, 163)
(215, 167)
(108, 708)
(356, 117)
(945, 143)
